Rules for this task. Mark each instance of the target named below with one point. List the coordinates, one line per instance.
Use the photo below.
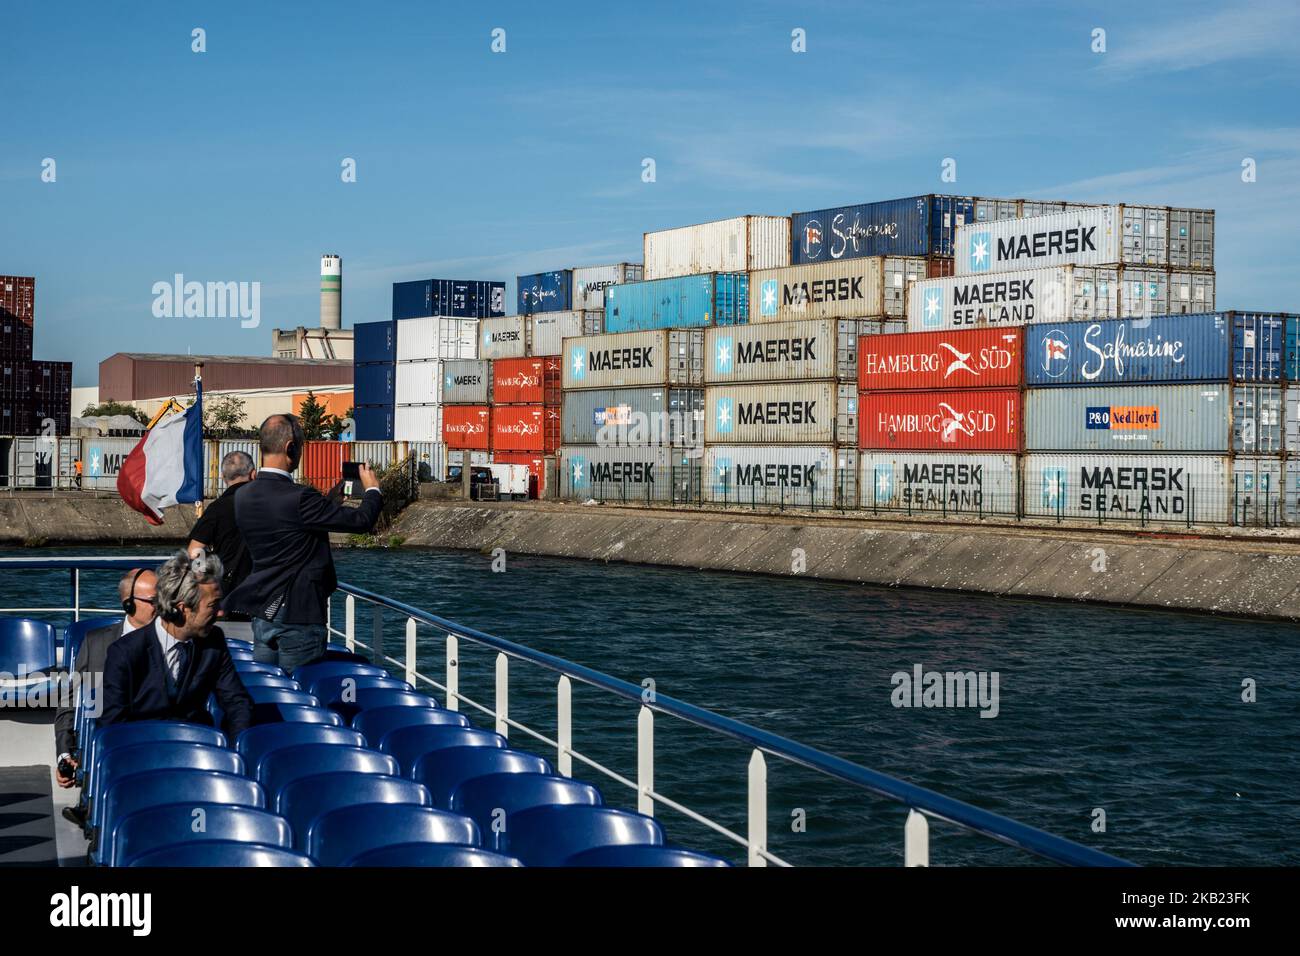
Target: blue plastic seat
(282, 695)
(429, 855)
(121, 762)
(76, 632)
(376, 722)
(221, 853)
(258, 667)
(279, 768)
(240, 654)
(306, 674)
(239, 642)
(174, 823)
(256, 742)
(307, 798)
(550, 835)
(409, 744)
(337, 652)
(330, 689)
(443, 770)
(295, 714)
(106, 739)
(480, 797)
(339, 835)
(642, 855)
(369, 697)
(268, 680)
(27, 650)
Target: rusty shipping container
(968, 358)
(741, 244)
(964, 420)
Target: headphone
(129, 604)
(198, 567)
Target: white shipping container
(430, 455)
(812, 413)
(590, 283)
(822, 475)
(784, 351)
(620, 359)
(101, 463)
(503, 338)
(1192, 489)
(634, 472)
(1291, 489)
(868, 287)
(419, 383)
(436, 337)
(456, 456)
(977, 484)
(417, 423)
(728, 245)
(550, 329)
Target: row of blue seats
(404, 783)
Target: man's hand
(335, 493)
(368, 479)
(66, 782)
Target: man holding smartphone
(286, 528)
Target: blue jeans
(288, 645)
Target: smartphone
(352, 471)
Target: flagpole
(198, 399)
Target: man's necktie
(182, 651)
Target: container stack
(1263, 482)
(32, 393)
(423, 346)
(526, 415)
(466, 410)
(374, 351)
(742, 244)
(548, 330)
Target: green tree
(223, 417)
(115, 408)
(317, 424)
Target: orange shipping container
(526, 381)
(533, 428)
(322, 463)
(466, 426)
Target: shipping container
(1258, 342)
(1161, 350)
(419, 383)
(455, 298)
(1136, 418)
(966, 358)
(1257, 420)
(527, 381)
(504, 338)
(793, 475)
(546, 292)
(322, 464)
(785, 351)
(1024, 296)
(717, 298)
(467, 382)
(850, 288)
(655, 415)
(476, 457)
(373, 423)
(742, 244)
(805, 413)
(374, 342)
(18, 300)
(1291, 355)
(916, 226)
(661, 357)
(419, 340)
(532, 428)
(535, 463)
(590, 283)
(379, 455)
(102, 460)
(15, 341)
(430, 459)
(631, 473)
(940, 482)
(1291, 419)
(374, 384)
(1191, 239)
(1191, 489)
(214, 453)
(966, 420)
(1257, 496)
(1291, 489)
(467, 426)
(550, 329)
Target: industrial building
(330, 340)
(134, 376)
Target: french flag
(166, 467)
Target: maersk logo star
(933, 317)
(979, 252)
(768, 301)
(578, 470)
(724, 414)
(723, 358)
(579, 363)
(1053, 486)
(884, 481)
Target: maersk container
(1258, 342)
(1020, 297)
(974, 419)
(1257, 419)
(807, 413)
(546, 291)
(822, 475)
(951, 482)
(374, 342)
(961, 358)
(662, 357)
(419, 383)
(1191, 489)
(852, 288)
(742, 244)
(633, 416)
(456, 298)
(1165, 349)
(101, 462)
(504, 338)
(916, 226)
(633, 472)
(1134, 418)
(373, 384)
(785, 351)
(418, 423)
(436, 337)
(716, 298)
(550, 329)
(590, 283)
(467, 382)
(373, 423)
(1256, 492)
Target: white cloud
(1243, 31)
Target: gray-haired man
(216, 532)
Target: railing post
(916, 840)
(377, 634)
(564, 722)
(410, 651)
(453, 673)
(503, 694)
(76, 600)
(645, 761)
(757, 809)
(350, 622)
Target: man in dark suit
(167, 669)
(136, 592)
(286, 527)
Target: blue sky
(225, 165)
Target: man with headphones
(286, 527)
(166, 670)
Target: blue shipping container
(1258, 339)
(1292, 348)
(374, 342)
(374, 384)
(1163, 349)
(373, 422)
(714, 298)
(458, 298)
(546, 292)
(918, 226)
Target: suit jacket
(286, 527)
(135, 683)
(90, 663)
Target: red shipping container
(526, 428)
(526, 381)
(966, 358)
(937, 267)
(18, 299)
(536, 468)
(466, 426)
(322, 463)
(962, 420)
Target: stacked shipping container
(35, 396)
(526, 414)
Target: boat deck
(33, 831)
